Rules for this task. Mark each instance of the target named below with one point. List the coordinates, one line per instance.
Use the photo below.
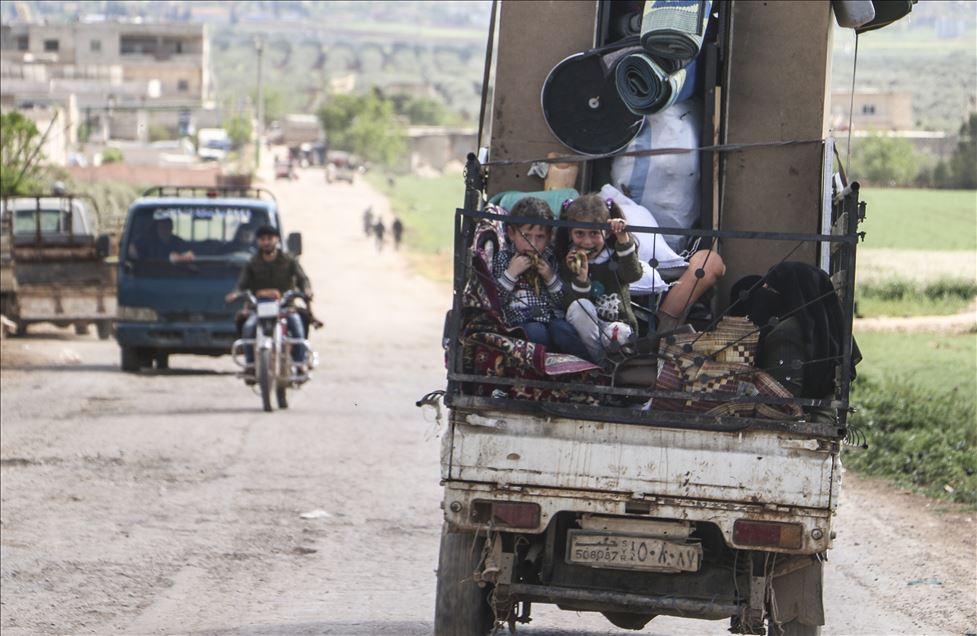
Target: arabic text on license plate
(633, 553)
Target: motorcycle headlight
(137, 314)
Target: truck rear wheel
(461, 608)
(130, 359)
(104, 329)
(81, 328)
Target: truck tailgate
(752, 467)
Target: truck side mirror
(294, 243)
(103, 245)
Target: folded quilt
(674, 29)
(646, 85)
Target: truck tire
(162, 361)
(264, 378)
(104, 329)
(81, 328)
(461, 608)
(21, 330)
(130, 359)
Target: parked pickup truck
(182, 250)
(53, 265)
(588, 493)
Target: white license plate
(267, 310)
(632, 553)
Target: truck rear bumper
(459, 499)
(208, 338)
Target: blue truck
(182, 250)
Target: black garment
(283, 273)
(805, 293)
(785, 349)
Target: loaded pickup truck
(635, 498)
(53, 265)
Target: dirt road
(167, 502)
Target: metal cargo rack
(210, 192)
(841, 212)
(65, 204)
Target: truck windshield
(52, 221)
(164, 238)
(53, 218)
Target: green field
(919, 256)
(935, 362)
(426, 206)
(917, 219)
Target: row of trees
(373, 125)
(891, 161)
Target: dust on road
(161, 503)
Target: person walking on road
(368, 221)
(398, 231)
(378, 231)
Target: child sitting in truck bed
(598, 267)
(530, 291)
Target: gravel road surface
(167, 502)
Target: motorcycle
(273, 366)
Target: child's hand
(519, 264)
(618, 228)
(578, 263)
(545, 271)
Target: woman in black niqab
(804, 292)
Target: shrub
(925, 439)
(112, 155)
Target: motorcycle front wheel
(264, 377)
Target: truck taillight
(506, 513)
(767, 534)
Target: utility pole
(259, 45)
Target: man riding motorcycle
(269, 274)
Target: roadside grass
(426, 206)
(897, 297)
(916, 400)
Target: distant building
(435, 147)
(126, 76)
(888, 114)
(873, 110)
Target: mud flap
(798, 596)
